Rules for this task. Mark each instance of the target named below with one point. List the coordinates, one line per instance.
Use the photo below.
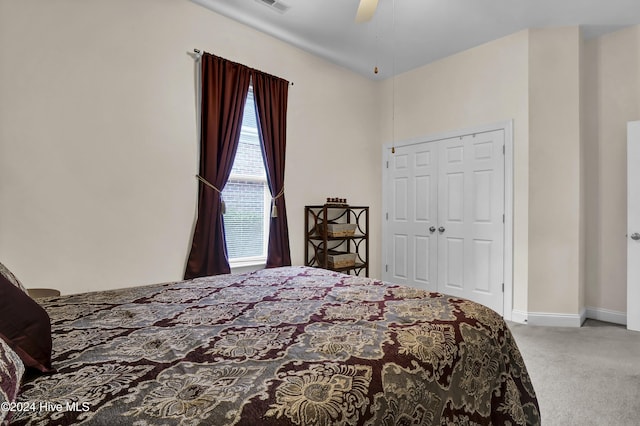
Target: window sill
(247, 265)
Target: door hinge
(387, 164)
(503, 218)
(503, 149)
(503, 287)
(387, 216)
(386, 268)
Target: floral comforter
(280, 346)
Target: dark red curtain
(225, 85)
(270, 94)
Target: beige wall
(98, 144)
(582, 271)
(612, 98)
(554, 171)
(484, 85)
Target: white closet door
(445, 208)
(412, 220)
(470, 218)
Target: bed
(294, 345)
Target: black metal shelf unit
(320, 246)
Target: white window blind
(246, 196)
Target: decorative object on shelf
(337, 259)
(337, 237)
(335, 201)
(337, 229)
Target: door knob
(441, 229)
(635, 236)
(432, 229)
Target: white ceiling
(405, 34)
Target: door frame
(507, 128)
(633, 286)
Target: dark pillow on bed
(5, 272)
(25, 326)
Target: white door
(471, 218)
(445, 211)
(633, 225)
(412, 216)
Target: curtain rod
(199, 52)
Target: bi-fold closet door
(445, 216)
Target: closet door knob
(432, 229)
(441, 229)
(635, 236)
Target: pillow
(11, 372)
(25, 326)
(5, 272)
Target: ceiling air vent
(276, 5)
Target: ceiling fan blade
(366, 9)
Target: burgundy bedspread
(281, 346)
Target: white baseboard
(557, 320)
(519, 316)
(607, 315)
(569, 320)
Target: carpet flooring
(583, 376)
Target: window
(246, 196)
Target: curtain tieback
(210, 185)
(274, 209)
